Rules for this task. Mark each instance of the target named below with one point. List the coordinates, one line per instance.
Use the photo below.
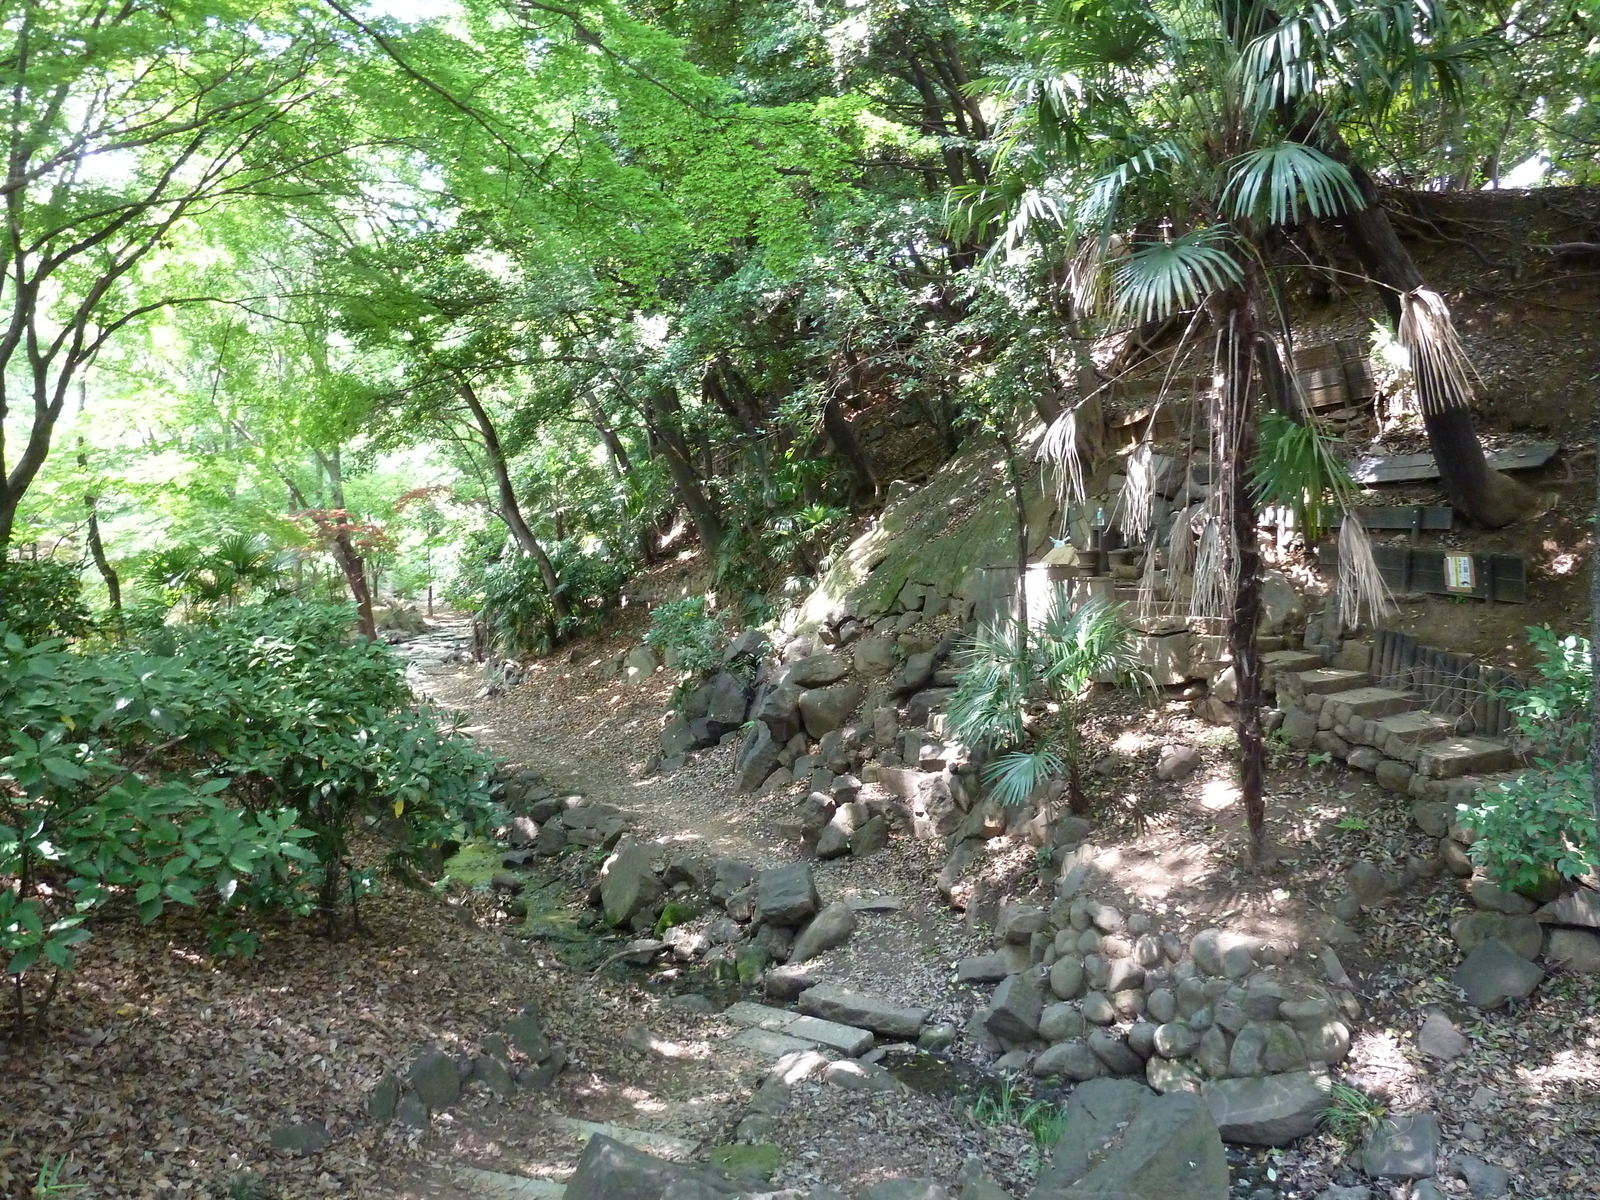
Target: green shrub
(230, 773)
(1543, 820)
(42, 599)
(695, 637)
(514, 608)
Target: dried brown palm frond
(1212, 573)
(1089, 272)
(1136, 505)
(1059, 448)
(1180, 546)
(1438, 360)
(1361, 585)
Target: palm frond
(1161, 278)
(1059, 448)
(1361, 585)
(995, 676)
(1429, 336)
(1098, 208)
(1137, 501)
(1013, 777)
(1078, 644)
(1274, 178)
(1296, 466)
(1211, 577)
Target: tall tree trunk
(344, 547)
(1481, 495)
(1233, 445)
(848, 447)
(1594, 654)
(510, 507)
(703, 511)
(91, 502)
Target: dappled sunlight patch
(1218, 794)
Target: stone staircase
(1388, 731)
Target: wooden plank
(1407, 516)
(1407, 468)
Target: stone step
(1276, 663)
(493, 1185)
(778, 1031)
(663, 1144)
(1454, 757)
(1403, 735)
(1368, 702)
(1331, 679)
(1461, 790)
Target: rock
(990, 968)
(962, 856)
(1097, 1008)
(1485, 1180)
(1578, 907)
(730, 876)
(726, 701)
(1014, 1011)
(493, 1073)
(628, 883)
(301, 1138)
(1280, 603)
(526, 1032)
(1270, 1110)
(1346, 1193)
(875, 655)
(870, 838)
(1574, 950)
(384, 1098)
(1019, 922)
(640, 664)
(1214, 1052)
(859, 1077)
(1177, 762)
(905, 1189)
(1494, 974)
(757, 757)
(434, 1078)
(1523, 934)
(1175, 1039)
(610, 1170)
(834, 841)
(1490, 895)
(1111, 1049)
(1325, 1042)
(787, 895)
(823, 710)
(862, 1011)
(829, 929)
(817, 670)
(1439, 1038)
(1455, 859)
(1069, 1060)
(677, 737)
(1168, 1075)
(1062, 1022)
(1369, 884)
(1402, 1147)
(1121, 1137)
(1432, 817)
(1067, 978)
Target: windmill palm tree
(1145, 142)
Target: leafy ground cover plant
(230, 774)
(1540, 827)
(42, 599)
(694, 638)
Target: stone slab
(640, 1139)
(759, 1016)
(846, 1039)
(771, 1044)
(492, 1185)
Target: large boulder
(822, 710)
(830, 928)
(758, 757)
(628, 883)
(1121, 1137)
(1014, 1011)
(640, 664)
(726, 700)
(787, 895)
(677, 737)
(1271, 1110)
(819, 670)
(875, 655)
(1495, 974)
(778, 708)
(610, 1170)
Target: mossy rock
(474, 865)
(750, 962)
(752, 1164)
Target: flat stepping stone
(846, 1039)
(492, 1185)
(877, 904)
(759, 1016)
(639, 1139)
(771, 1044)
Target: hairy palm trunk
(1233, 446)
